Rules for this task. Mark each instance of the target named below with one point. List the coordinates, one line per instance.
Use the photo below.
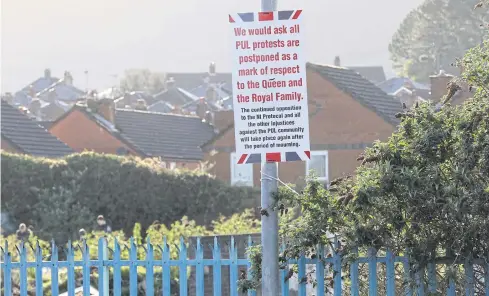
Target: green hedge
(60, 196)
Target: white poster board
(271, 118)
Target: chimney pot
(47, 73)
(337, 61)
(68, 79)
(212, 69)
(106, 109)
(170, 83)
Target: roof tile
(164, 135)
(29, 136)
(361, 90)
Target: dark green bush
(125, 190)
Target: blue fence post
(149, 268)
(216, 268)
(54, 269)
(469, 277)
(320, 270)
(233, 268)
(301, 263)
(391, 274)
(432, 285)
(337, 268)
(7, 271)
(250, 244)
(284, 283)
(103, 271)
(133, 269)
(407, 275)
(117, 283)
(70, 256)
(165, 257)
(86, 269)
(451, 291)
(23, 269)
(486, 279)
(199, 269)
(39, 290)
(420, 282)
(354, 276)
(182, 262)
(372, 272)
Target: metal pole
(269, 223)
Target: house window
(318, 165)
(173, 165)
(241, 174)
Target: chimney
(439, 85)
(47, 73)
(35, 108)
(32, 93)
(223, 119)
(170, 83)
(141, 105)
(68, 79)
(212, 69)
(337, 61)
(201, 108)
(106, 108)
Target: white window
(173, 165)
(318, 165)
(241, 174)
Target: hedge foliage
(58, 197)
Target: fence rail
(328, 274)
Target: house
(50, 89)
(131, 99)
(174, 95)
(408, 97)
(21, 134)
(374, 74)
(393, 85)
(439, 84)
(193, 81)
(346, 114)
(98, 126)
(61, 90)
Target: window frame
(326, 173)
(234, 182)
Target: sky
(105, 37)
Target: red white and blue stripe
(274, 157)
(264, 16)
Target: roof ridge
(156, 113)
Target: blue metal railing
(158, 259)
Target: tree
(434, 35)
(142, 80)
(424, 193)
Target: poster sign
(271, 119)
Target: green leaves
(425, 189)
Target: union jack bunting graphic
(274, 157)
(264, 16)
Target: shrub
(125, 190)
